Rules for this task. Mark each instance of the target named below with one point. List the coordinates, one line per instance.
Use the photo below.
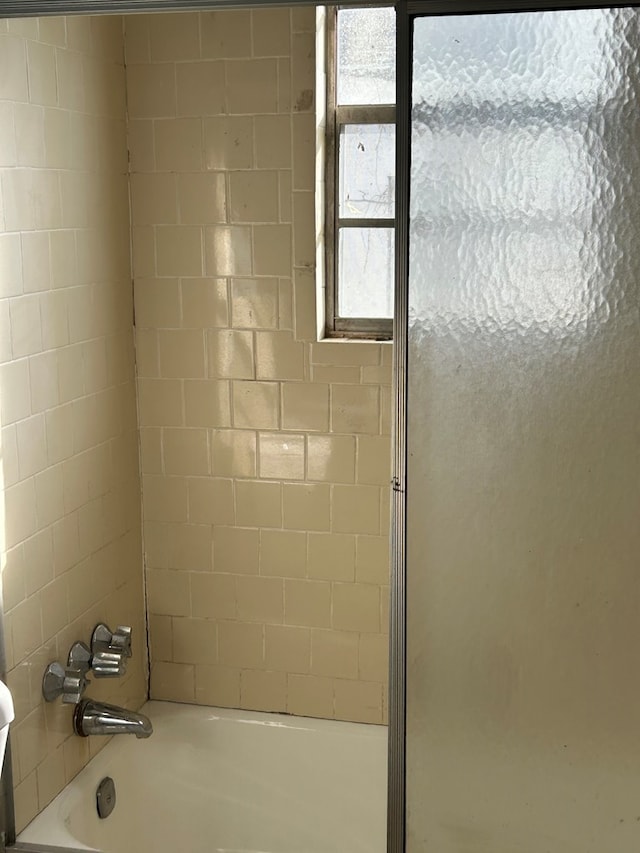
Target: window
(360, 172)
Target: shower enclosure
(516, 589)
(514, 707)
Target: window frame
(368, 328)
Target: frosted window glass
(366, 265)
(367, 171)
(366, 56)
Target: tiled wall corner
(265, 454)
(71, 543)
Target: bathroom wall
(70, 521)
(265, 454)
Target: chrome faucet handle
(80, 657)
(68, 683)
(110, 650)
(118, 640)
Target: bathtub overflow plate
(106, 797)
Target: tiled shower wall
(70, 525)
(265, 455)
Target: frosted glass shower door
(523, 485)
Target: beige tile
(179, 250)
(358, 701)
(254, 196)
(10, 467)
(258, 504)
(38, 561)
(230, 354)
(35, 261)
(204, 303)
(273, 141)
(272, 250)
(136, 31)
(5, 332)
(254, 303)
(355, 409)
(13, 579)
(160, 638)
(252, 86)
(307, 603)
(345, 374)
(178, 144)
(334, 653)
(49, 487)
(278, 356)
(256, 405)
(165, 498)
(76, 755)
(263, 691)
(306, 506)
(66, 549)
(41, 59)
(211, 500)
(43, 374)
(374, 460)
(226, 34)
(335, 353)
(228, 142)
(26, 627)
(356, 607)
(201, 88)
(185, 451)
(233, 453)
(304, 229)
(194, 641)
(287, 649)
(182, 353)
(228, 250)
(15, 399)
(283, 553)
(25, 797)
(20, 512)
(160, 402)
(286, 207)
(281, 456)
(10, 265)
(303, 71)
(331, 556)
(51, 778)
(213, 596)
(64, 268)
(154, 199)
(174, 36)
(260, 599)
(202, 198)
(235, 550)
(331, 458)
(271, 29)
(13, 68)
(305, 406)
(147, 353)
(241, 644)
(303, 141)
(355, 509)
(310, 696)
(373, 657)
(373, 559)
(32, 446)
(384, 607)
(169, 593)
(143, 251)
(151, 90)
(174, 682)
(218, 686)
(141, 150)
(189, 547)
(207, 403)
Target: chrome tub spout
(98, 718)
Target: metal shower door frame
(407, 12)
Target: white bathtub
(210, 780)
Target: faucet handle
(110, 649)
(68, 683)
(117, 641)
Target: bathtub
(212, 780)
